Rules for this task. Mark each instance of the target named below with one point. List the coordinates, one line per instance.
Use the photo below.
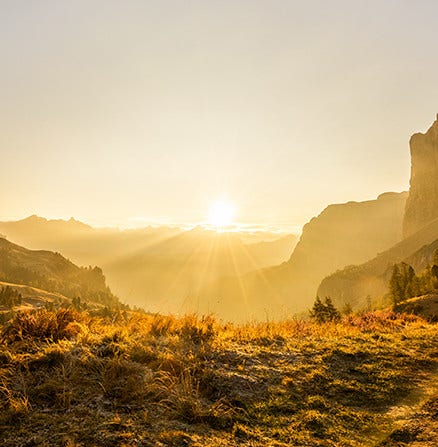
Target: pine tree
(395, 285)
(404, 283)
(331, 311)
(434, 269)
(435, 258)
(324, 312)
(318, 311)
(408, 275)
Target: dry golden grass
(42, 324)
(132, 379)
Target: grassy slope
(141, 380)
(33, 297)
(426, 306)
(52, 272)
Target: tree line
(405, 283)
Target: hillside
(425, 306)
(355, 283)
(342, 234)
(53, 273)
(140, 380)
(31, 297)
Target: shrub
(161, 325)
(198, 331)
(42, 324)
(187, 404)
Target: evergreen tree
(318, 311)
(395, 285)
(76, 303)
(324, 312)
(408, 280)
(435, 258)
(404, 283)
(434, 269)
(331, 311)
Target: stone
(422, 203)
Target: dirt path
(414, 421)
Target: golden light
(221, 214)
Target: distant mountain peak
(389, 195)
(34, 218)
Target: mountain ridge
(52, 272)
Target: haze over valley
(159, 269)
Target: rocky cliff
(354, 284)
(422, 204)
(349, 232)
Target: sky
(126, 112)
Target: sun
(221, 214)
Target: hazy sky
(118, 111)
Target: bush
(42, 324)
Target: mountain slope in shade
(342, 234)
(53, 273)
(357, 283)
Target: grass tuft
(42, 324)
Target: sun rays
(222, 214)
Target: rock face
(422, 204)
(350, 232)
(354, 284)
